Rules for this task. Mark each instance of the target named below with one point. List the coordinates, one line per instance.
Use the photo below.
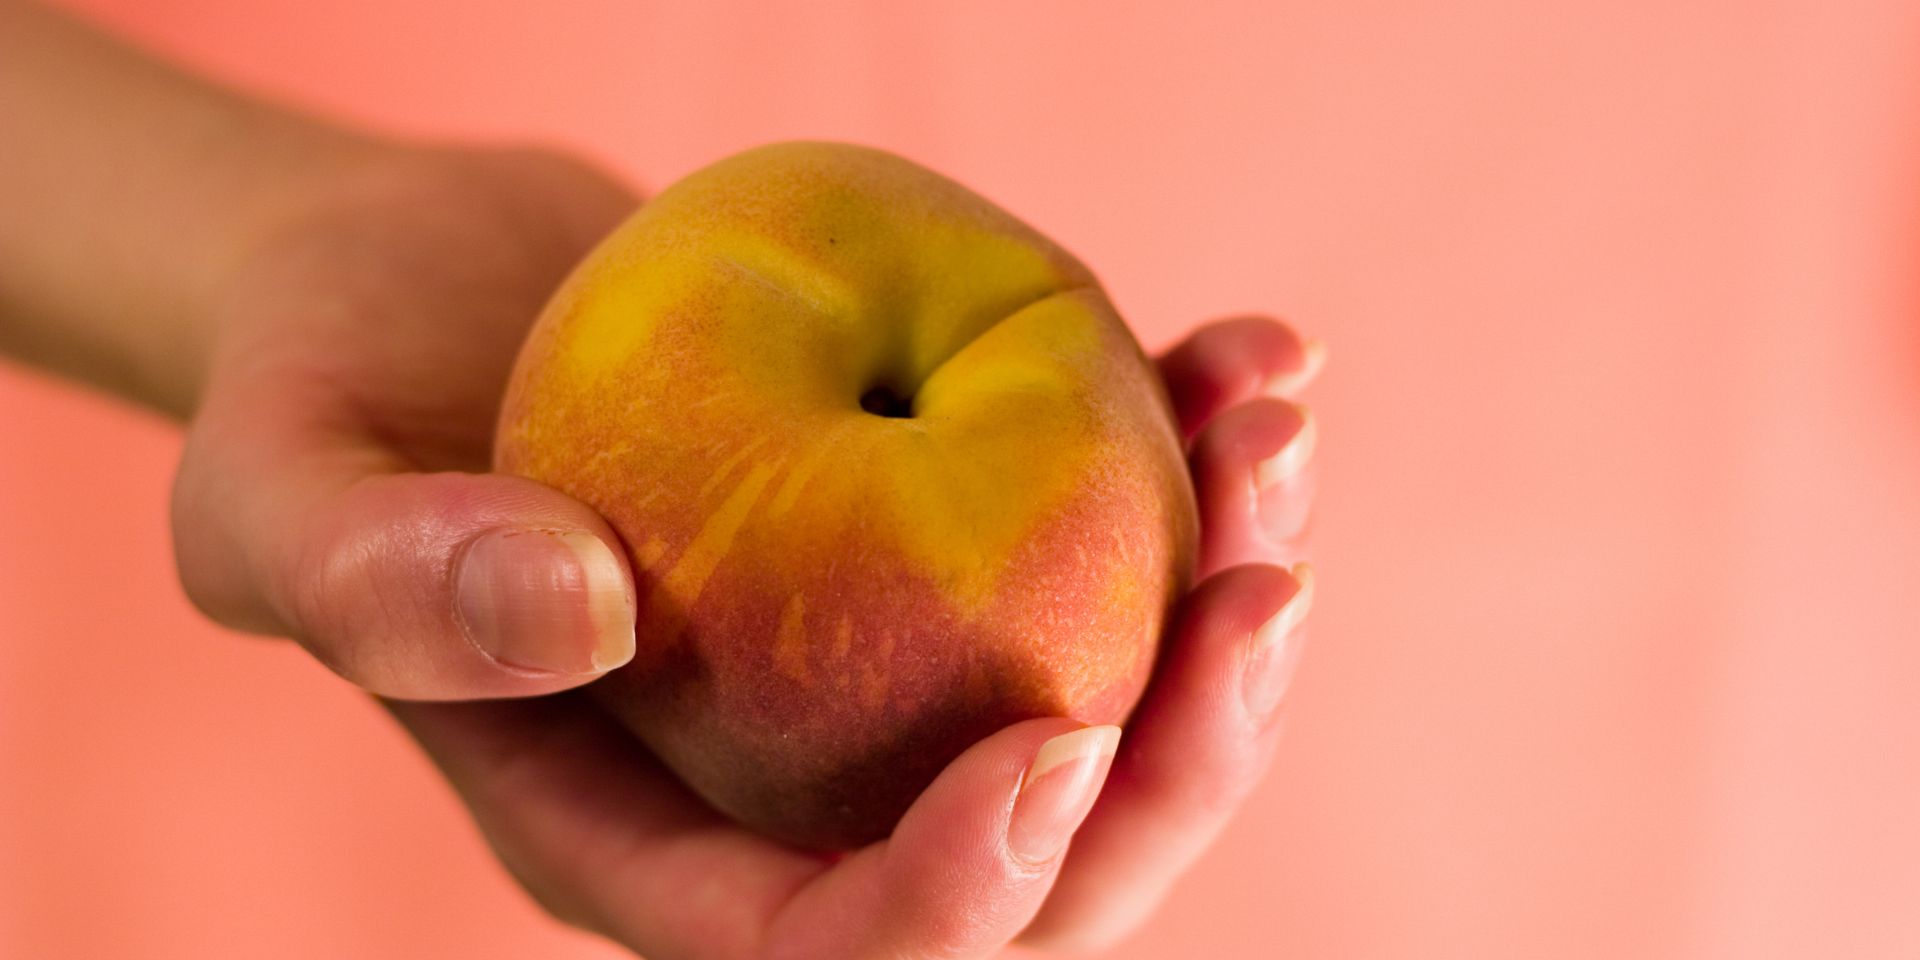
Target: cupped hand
(608, 840)
(333, 490)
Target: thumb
(437, 586)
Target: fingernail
(1274, 649)
(1059, 790)
(546, 600)
(1313, 356)
(1289, 460)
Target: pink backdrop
(1618, 646)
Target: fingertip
(546, 601)
(1254, 476)
(1293, 453)
(1273, 650)
(1231, 661)
(1254, 432)
(967, 808)
(1292, 380)
(1237, 602)
(1231, 361)
(1058, 791)
(1198, 746)
(971, 862)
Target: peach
(891, 471)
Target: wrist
(142, 189)
(275, 172)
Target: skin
(835, 604)
(334, 316)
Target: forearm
(128, 190)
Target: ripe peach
(891, 471)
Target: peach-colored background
(1618, 650)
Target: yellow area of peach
(682, 584)
(650, 552)
(790, 642)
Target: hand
(606, 839)
(343, 313)
(359, 360)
